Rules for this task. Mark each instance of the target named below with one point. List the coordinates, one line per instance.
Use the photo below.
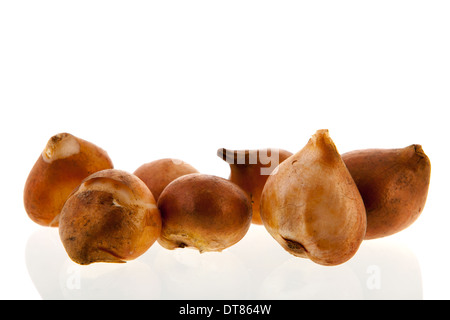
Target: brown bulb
(204, 212)
(249, 169)
(111, 217)
(159, 173)
(311, 205)
(64, 163)
(393, 184)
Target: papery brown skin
(111, 217)
(203, 212)
(249, 169)
(311, 205)
(393, 184)
(64, 163)
(159, 173)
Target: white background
(152, 79)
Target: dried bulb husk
(249, 169)
(393, 184)
(111, 217)
(159, 173)
(311, 205)
(203, 212)
(61, 167)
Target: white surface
(146, 80)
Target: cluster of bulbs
(316, 203)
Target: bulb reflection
(255, 268)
